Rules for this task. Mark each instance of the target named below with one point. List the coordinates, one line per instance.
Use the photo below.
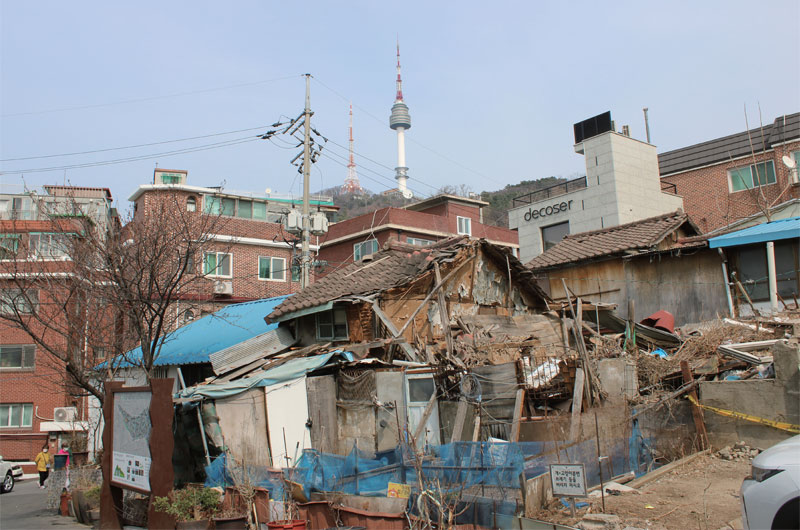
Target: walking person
(43, 462)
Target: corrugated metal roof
(774, 231)
(194, 343)
(728, 147)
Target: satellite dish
(407, 194)
(789, 162)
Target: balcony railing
(549, 192)
(19, 215)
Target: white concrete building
(621, 185)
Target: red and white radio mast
(351, 183)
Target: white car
(9, 473)
(771, 495)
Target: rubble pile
(737, 451)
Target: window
(552, 234)
(170, 178)
(752, 176)
(217, 264)
(464, 225)
(48, 246)
(17, 357)
(9, 244)
(191, 204)
(370, 246)
(259, 210)
(271, 268)
(18, 301)
(186, 317)
(245, 209)
(419, 242)
(212, 205)
(16, 415)
(332, 325)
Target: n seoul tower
(400, 120)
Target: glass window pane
(27, 415)
(751, 264)
(210, 264)
(212, 205)
(263, 268)
(245, 209)
(224, 264)
(11, 357)
(741, 179)
(15, 415)
(787, 263)
(4, 415)
(259, 210)
(764, 173)
(420, 390)
(278, 266)
(552, 234)
(228, 206)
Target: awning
(63, 426)
(774, 231)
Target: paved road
(22, 509)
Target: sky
(493, 88)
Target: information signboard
(568, 480)
(130, 459)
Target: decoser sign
(544, 211)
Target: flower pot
(294, 524)
(230, 523)
(202, 524)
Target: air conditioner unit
(65, 413)
(223, 287)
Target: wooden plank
(425, 415)
(518, 403)
(409, 351)
(476, 430)
(697, 412)
(578, 334)
(429, 296)
(672, 395)
(577, 401)
(663, 470)
(458, 425)
(443, 315)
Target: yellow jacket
(42, 460)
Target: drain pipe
(726, 282)
(199, 419)
(772, 277)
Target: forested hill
(495, 214)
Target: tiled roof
(638, 236)
(397, 264)
(784, 128)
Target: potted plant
(192, 507)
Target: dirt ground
(703, 495)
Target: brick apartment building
(421, 223)
(250, 257)
(37, 404)
(722, 180)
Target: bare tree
(92, 291)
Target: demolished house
(446, 372)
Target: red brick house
(421, 223)
(730, 178)
(38, 405)
(250, 257)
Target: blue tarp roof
(288, 371)
(195, 342)
(774, 231)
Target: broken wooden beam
(577, 401)
(697, 412)
(406, 347)
(515, 423)
(443, 315)
(458, 425)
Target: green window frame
(217, 264)
(272, 269)
(752, 176)
(9, 245)
(16, 415)
(365, 248)
(212, 204)
(332, 324)
(259, 210)
(17, 356)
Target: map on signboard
(131, 439)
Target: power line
(152, 98)
(136, 146)
(206, 147)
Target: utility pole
(306, 256)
